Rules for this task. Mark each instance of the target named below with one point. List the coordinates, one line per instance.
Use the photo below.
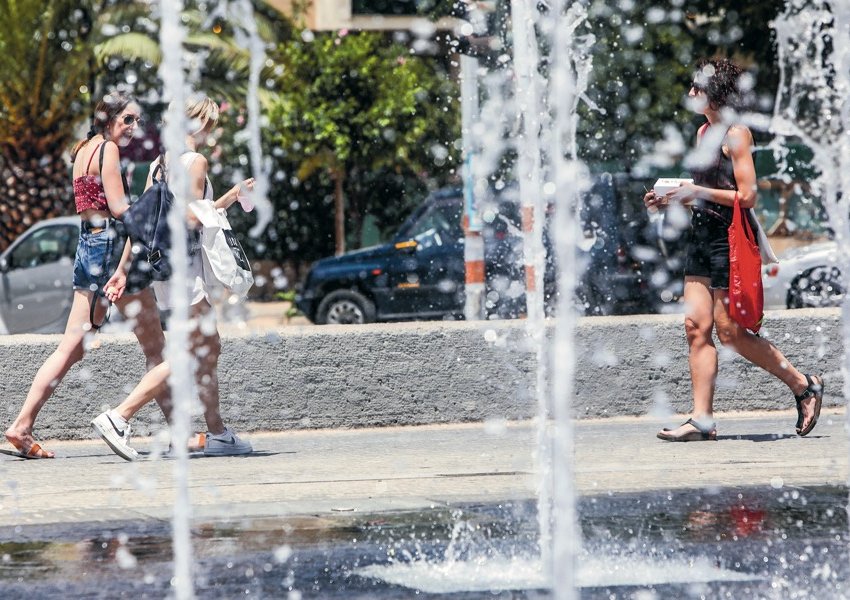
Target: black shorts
(708, 250)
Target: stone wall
(428, 372)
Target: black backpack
(146, 222)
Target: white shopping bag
(225, 262)
(767, 254)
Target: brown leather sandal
(815, 389)
(701, 434)
(34, 451)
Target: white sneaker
(117, 439)
(226, 444)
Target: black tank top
(719, 175)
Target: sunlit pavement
(372, 470)
(257, 316)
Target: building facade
(375, 15)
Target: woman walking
(99, 194)
(204, 341)
(728, 174)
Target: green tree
(351, 107)
(643, 61)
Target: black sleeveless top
(719, 175)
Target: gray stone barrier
(428, 372)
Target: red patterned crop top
(88, 190)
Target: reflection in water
(720, 543)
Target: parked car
(36, 274)
(419, 274)
(35, 277)
(807, 276)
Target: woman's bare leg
(51, 373)
(758, 350)
(702, 353)
(206, 348)
(142, 309)
(153, 385)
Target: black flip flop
(814, 389)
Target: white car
(807, 276)
(36, 273)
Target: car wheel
(818, 287)
(345, 307)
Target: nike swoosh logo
(118, 431)
(231, 441)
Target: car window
(45, 245)
(438, 226)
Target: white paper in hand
(668, 184)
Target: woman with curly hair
(725, 172)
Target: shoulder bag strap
(88, 166)
(159, 169)
(94, 303)
(121, 171)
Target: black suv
(420, 273)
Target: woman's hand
(114, 288)
(235, 193)
(245, 201)
(653, 202)
(685, 194)
(248, 184)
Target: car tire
(345, 307)
(820, 282)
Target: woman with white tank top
(198, 290)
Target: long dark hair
(105, 112)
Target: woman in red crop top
(99, 266)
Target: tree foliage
(45, 63)
(643, 62)
(363, 110)
(56, 57)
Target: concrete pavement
(322, 472)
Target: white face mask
(697, 104)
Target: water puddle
(750, 543)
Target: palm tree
(210, 39)
(45, 64)
(52, 54)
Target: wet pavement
(382, 512)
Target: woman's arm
(232, 195)
(116, 200)
(114, 288)
(739, 141)
(197, 179)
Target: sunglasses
(128, 120)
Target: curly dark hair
(718, 78)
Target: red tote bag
(746, 294)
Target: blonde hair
(202, 109)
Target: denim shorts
(98, 253)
